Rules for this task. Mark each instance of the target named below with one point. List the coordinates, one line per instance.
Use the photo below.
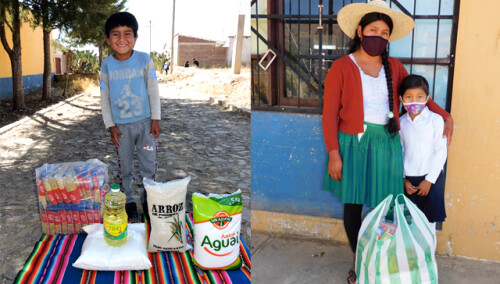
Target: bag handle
(418, 217)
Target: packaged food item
(69, 220)
(41, 193)
(50, 219)
(115, 217)
(64, 221)
(44, 219)
(97, 255)
(217, 226)
(167, 212)
(57, 218)
(386, 230)
(70, 195)
(76, 218)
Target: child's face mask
(414, 107)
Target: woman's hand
(335, 165)
(448, 129)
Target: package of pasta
(167, 212)
(217, 226)
(70, 195)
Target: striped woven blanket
(52, 258)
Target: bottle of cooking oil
(115, 217)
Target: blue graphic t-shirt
(129, 89)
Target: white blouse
(375, 96)
(424, 148)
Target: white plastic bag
(167, 212)
(98, 255)
(398, 247)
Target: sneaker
(131, 209)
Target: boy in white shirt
(424, 149)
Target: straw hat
(349, 17)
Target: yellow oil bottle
(115, 218)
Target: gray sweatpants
(135, 137)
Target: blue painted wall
(32, 83)
(288, 158)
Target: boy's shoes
(131, 209)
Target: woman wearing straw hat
(360, 113)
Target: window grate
(294, 82)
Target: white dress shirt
(375, 96)
(424, 148)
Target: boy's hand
(409, 188)
(115, 132)
(335, 165)
(424, 187)
(155, 128)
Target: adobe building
(32, 61)
(60, 61)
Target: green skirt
(372, 167)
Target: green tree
(49, 14)
(11, 15)
(159, 59)
(87, 24)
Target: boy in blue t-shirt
(130, 103)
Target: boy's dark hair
(392, 125)
(412, 82)
(121, 19)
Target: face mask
(415, 108)
(374, 45)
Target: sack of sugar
(217, 226)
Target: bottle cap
(115, 187)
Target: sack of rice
(217, 225)
(167, 211)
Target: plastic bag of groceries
(71, 195)
(396, 245)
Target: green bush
(159, 59)
(84, 62)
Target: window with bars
(304, 38)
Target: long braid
(392, 125)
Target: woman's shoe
(351, 277)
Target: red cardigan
(343, 99)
